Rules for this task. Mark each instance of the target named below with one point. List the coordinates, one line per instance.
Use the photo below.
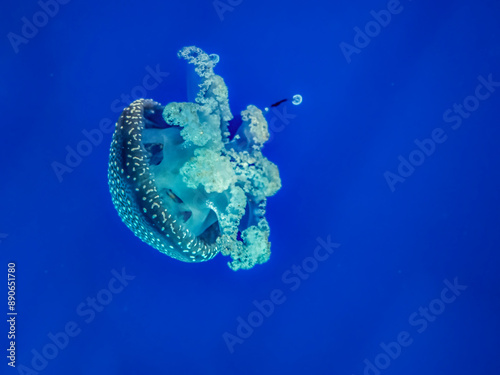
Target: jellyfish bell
(183, 185)
(297, 99)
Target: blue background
(396, 247)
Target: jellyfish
(183, 184)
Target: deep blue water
(393, 154)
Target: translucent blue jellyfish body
(183, 186)
(297, 99)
